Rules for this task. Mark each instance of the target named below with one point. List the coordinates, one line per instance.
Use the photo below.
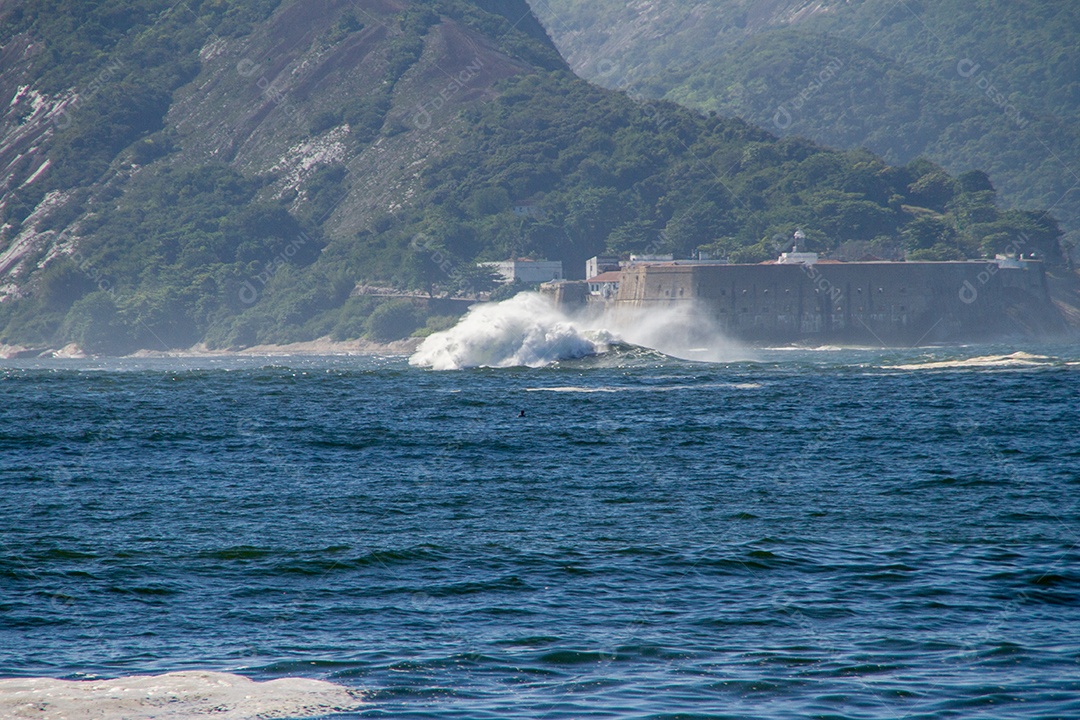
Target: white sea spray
(531, 330)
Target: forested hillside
(231, 172)
(991, 85)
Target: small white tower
(795, 257)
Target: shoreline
(321, 346)
(325, 347)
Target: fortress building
(801, 298)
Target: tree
(94, 324)
(635, 236)
(473, 279)
(427, 263)
(925, 232)
(489, 201)
(933, 190)
(393, 320)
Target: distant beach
(322, 346)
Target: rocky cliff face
(318, 85)
(259, 104)
(28, 124)
(236, 172)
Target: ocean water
(791, 533)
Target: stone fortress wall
(873, 303)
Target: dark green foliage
(61, 284)
(82, 38)
(933, 190)
(472, 279)
(926, 232)
(124, 58)
(551, 167)
(612, 175)
(186, 249)
(324, 121)
(99, 129)
(991, 84)
(975, 181)
(152, 148)
(404, 51)
(366, 115)
(635, 236)
(347, 24)
(94, 323)
(393, 320)
(416, 20)
(28, 322)
(323, 190)
(489, 201)
(352, 318)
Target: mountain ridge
(235, 174)
(988, 86)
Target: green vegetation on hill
(615, 176)
(179, 251)
(612, 175)
(125, 58)
(989, 85)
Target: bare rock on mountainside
(230, 173)
(270, 104)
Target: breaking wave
(530, 330)
(525, 330)
(173, 696)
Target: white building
(1013, 263)
(797, 258)
(605, 285)
(637, 259)
(601, 264)
(529, 272)
(526, 210)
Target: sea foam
(173, 696)
(1017, 360)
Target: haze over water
(850, 534)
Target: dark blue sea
(826, 534)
